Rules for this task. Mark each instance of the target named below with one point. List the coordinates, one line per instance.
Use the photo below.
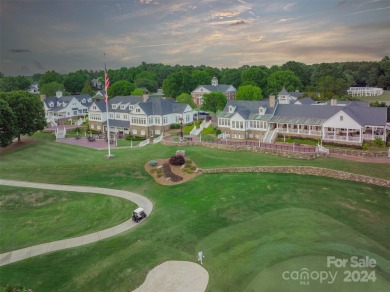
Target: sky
(68, 35)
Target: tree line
(321, 81)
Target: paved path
(361, 159)
(24, 253)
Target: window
(158, 132)
(341, 118)
(126, 117)
(134, 131)
(111, 115)
(150, 121)
(131, 107)
(137, 110)
(157, 120)
(94, 107)
(114, 106)
(165, 121)
(118, 116)
(143, 132)
(89, 99)
(123, 106)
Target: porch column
(299, 126)
(334, 133)
(309, 130)
(287, 128)
(347, 134)
(372, 133)
(360, 135)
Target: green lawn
(30, 216)
(251, 226)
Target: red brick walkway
(97, 144)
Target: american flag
(106, 84)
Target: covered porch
(372, 132)
(344, 135)
(298, 129)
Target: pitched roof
(248, 109)
(284, 91)
(373, 116)
(217, 88)
(305, 100)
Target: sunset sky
(67, 35)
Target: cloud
(225, 14)
(370, 10)
(20, 51)
(280, 6)
(238, 22)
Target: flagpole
(106, 85)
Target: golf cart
(138, 215)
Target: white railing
(223, 136)
(371, 137)
(158, 139)
(79, 122)
(341, 138)
(300, 131)
(269, 136)
(323, 149)
(144, 143)
(50, 119)
(196, 131)
(60, 134)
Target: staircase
(50, 119)
(203, 125)
(144, 143)
(60, 134)
(158, 139)
(269, 136)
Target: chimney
(214, 81)
(145, 97)
(333, 102)
(272, 101)
(43, 97)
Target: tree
(285, 78)
(330, 87)
(200, 77)
(177, 83)
(50, 76)
(257, 75)
(74, 82)
(214, 101)
(187, 99)
(8, 124)
(29, 112)
(301, 70)
(149, 84)
(36, 77)
(87, 89)
(231, 76)
(138, 92)
(9, 83)
(120, 88)
(51, 88)
(249, 92)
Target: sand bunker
(175, 276)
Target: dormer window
(131, 107)
(83, 101)
(51, 104)
(114, 106)
(138, 110)
(58, 103)
(261, 110)
(231, 109)
(89, 99)
(123, 107)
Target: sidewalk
(24, 253)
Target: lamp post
(181, 128)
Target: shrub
(365, 146)
(152, 171)
(218, 132)
(177, 160)
(168, 173)
(378, 141)
(174, 126)
(152, 162)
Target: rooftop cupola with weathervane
(59, 94)
(214, 81)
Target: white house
(60, 109)
(228, 90)
(365, 91)
(339, 122)
(147, 116)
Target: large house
(347, 122)
(365, 91)
(146, 116)
(60, 109)
(228, 90)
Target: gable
(201, 89)
(237, 117)
(138, 111)
(342, 120)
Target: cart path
(24, 253)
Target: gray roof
(159, 106)
(66, 99)
(217, 88)
(372, 116)
(303, 114)
(101, 104)
(284, 91)
(305, 100)
(248, 109)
